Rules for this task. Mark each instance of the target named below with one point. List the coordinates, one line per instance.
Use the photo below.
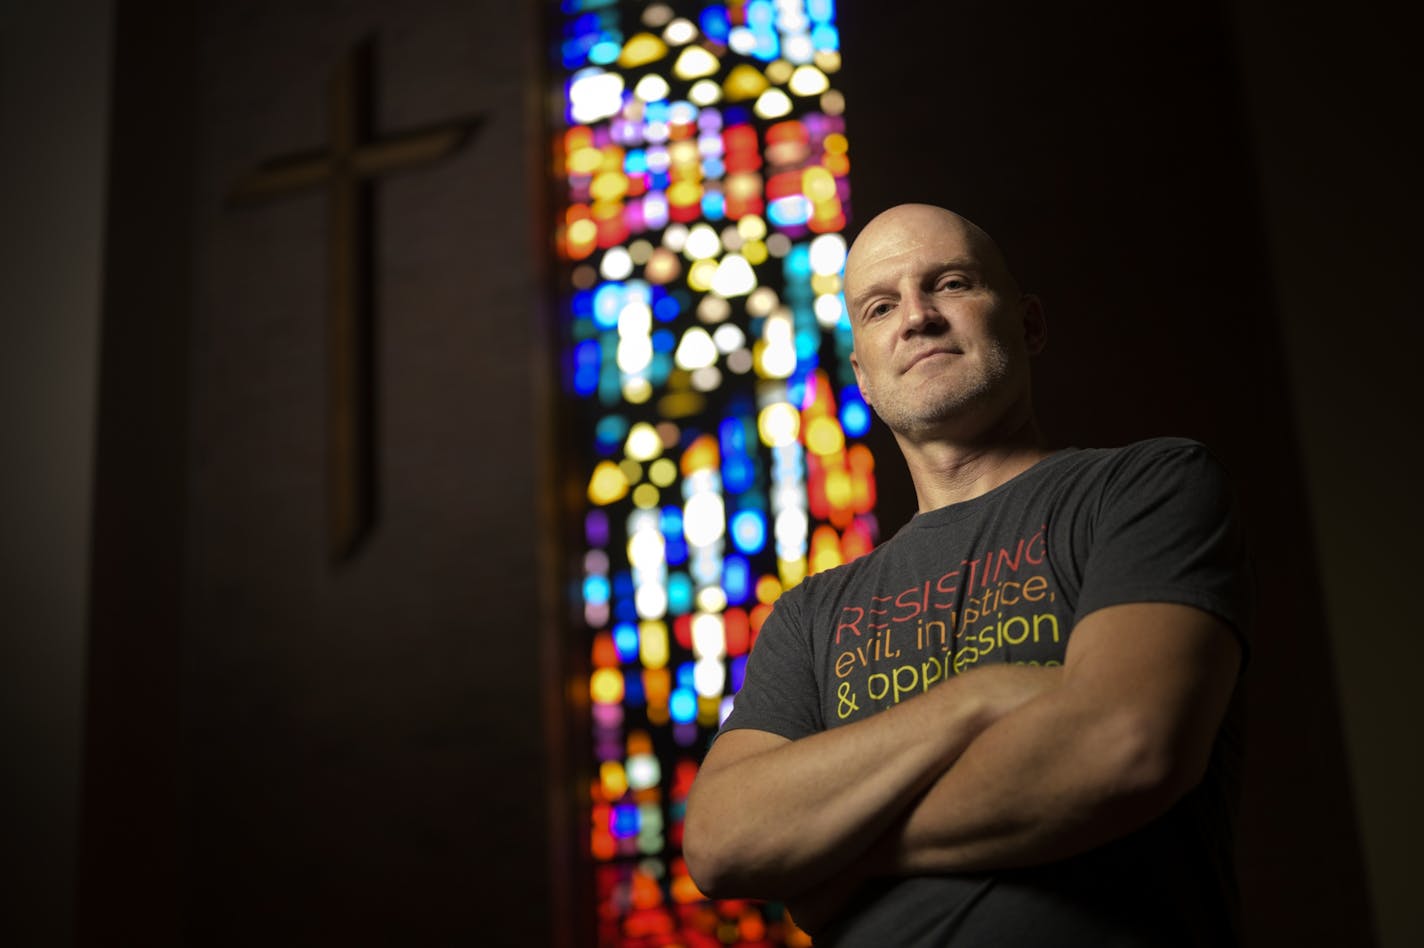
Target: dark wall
(286, 749)
(1109, 150)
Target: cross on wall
(353, 159)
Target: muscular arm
(769, 817)
(1128, 732)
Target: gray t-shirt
(1003, 578)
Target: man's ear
(860, 380)
(1035, 326)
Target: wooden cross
(346, 168)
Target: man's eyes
(954, 283)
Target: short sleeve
(779, 692)
(1167, 530)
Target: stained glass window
(702, 163)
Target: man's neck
(950, 472)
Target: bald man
(1009, 724)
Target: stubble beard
(926, 410)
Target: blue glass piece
(748, 528)
(738, 473)
(761, 15)
(587, 363)
(682, 706)
(660, 368)
(714, 206)
(736, 579)
(676, 550)
(633, 694)
(686, 675)
(659, 181)
(664, 340)
(822, 11)
(625, 821)
(713, 168)
(767, 48)
(608, 301)
(609, 433)
(605, 51)
(736, 115)
(656, 112)
(635, 161)
(825, 37)
(625, 610)
(714, 23)
(855, 414)
(595, 590)
(794, 210)
(625, 641)
(671, 523)
(680, 593)
(583, 303)
(667, 309)
(623, 584)
(797, 265)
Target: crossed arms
(1000, 767)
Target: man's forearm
(1082, 764)
(776, 821)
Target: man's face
(942, 336)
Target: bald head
(907, 227)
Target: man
(1005, 725)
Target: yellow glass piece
(778, 71)
(822, 283)
(607, 485)
(643, 442)
(829, 60)
(734, 276)
(824, 436)
(583, 232)
(681, 404)
(835, 144)
(744, 82)
(792, 571)
(754, 251)
(684, 194)
(825, 549)
(631, 470)
(583, 161)
(701, 274)
(609, 186)
(771, 104)
(818, 184)
(840, 489)
(641, 49)
(636, 391)
(613, 779)
(694, 63)
(768, 590)
(645, 497)
(778, 424)
(808, 80)
(662, 472)
(704, 92)
(605, 686)
(751, 227)
(653, 644)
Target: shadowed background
(215, 738)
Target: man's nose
(920, 312)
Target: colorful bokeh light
(702, 164)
